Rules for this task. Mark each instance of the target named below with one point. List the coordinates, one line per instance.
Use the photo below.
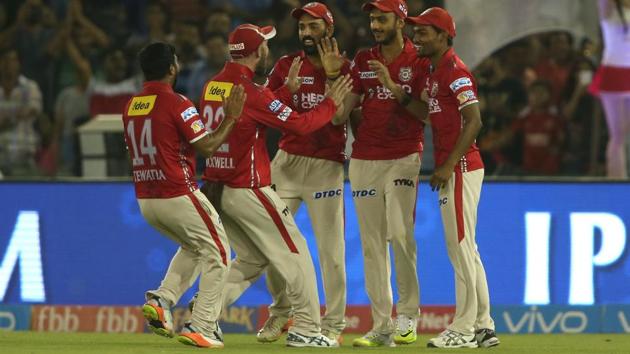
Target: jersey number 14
(146, 143)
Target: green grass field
(46, 342)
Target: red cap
(435, 16)
(315, 9)
(246, 38)
(399, 7)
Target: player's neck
(315, 60)
(392, 50)
(435, 59)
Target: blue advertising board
(541, 243)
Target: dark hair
(156, 60)
(622, 15)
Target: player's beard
(261, 67)
(389, 37)
(309, 49)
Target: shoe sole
(304, 345)
(156, 326)
(403, 340)
(267, 340)
(189, 341)
(490, 343)
(467, 345)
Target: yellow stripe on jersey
(215, 89)
(141, 105)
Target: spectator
(189, 50)
(541, 129)
(557, 61)
(218, 21)
(216, 55)
(20, 108)
(157, 18)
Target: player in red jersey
(384, 172)
(309, 168)
(259, 224)
(455, 122)
(162, 131)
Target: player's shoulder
(365, 54)
(287, 59)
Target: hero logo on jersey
(459, 83)
(466, 96)
(189, 113)
(284, 115)
(275, 106)
(311, 99)
(367, 75)
(404, 74)
(197, 126)
(434, 106)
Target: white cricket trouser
(319, 184)
(192, 222)
(458, 205)
(385, 194)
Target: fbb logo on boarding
(216, 89)
(141, 105)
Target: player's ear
(330, 30)
(400, 23)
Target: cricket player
(455, 122)
(309, 168)
(384, 172)
(162, 131)
(259, 224)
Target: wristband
(406, 100)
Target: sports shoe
(333, 335)
(295, 339)
(372, 339)
(272, 329)
(158, 314)
(405, 330)
(486, 338)
(452, 339)
(191, 336)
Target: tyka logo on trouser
(404, 182)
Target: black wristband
(406, 100)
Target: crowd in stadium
(65, 61)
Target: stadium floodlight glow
(583, 259)
(537, 229)
(24, 246)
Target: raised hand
(233, 104)
(293, 80)
(339, 89)
(332, 61)
(382, 73)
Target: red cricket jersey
(387, 130)
(242, 161)
(451, 87)
(542, 136)
(329, 142)
(160, 126)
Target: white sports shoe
(373, 339)
(295, 339)
(272, 329)
(452, 339)
(405, 330)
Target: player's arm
(285, 90)
(415, 106)
(208, 144)
(335, 65)
(269, 111)
(471, 117)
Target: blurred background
(65, 62)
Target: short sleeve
(189, 122)
(462, 87)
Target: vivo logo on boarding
(547, 321)
(24, 246)
(584, 260)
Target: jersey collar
(447, 57)
(233, 67)
(158, 86)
